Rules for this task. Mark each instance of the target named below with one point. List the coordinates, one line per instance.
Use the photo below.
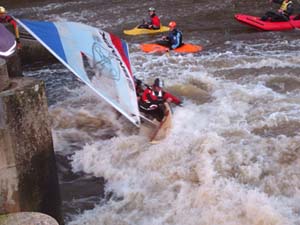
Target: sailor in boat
(283, 13)
(153, 98)
(174, 38)
(153, 22)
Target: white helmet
(2, 9)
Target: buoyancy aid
(284, 6)
(175, 38)
(155, 21)
(149, 100)
(150, 96)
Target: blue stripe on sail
(48, 33)
(125, 47)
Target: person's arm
(168, 38)
(289, 9)
(171, 98)
(155, 22)
(145, 96)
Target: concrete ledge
(32, 52)
(27, 218)
(4, 80)
(28, 176)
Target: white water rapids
(233, 155)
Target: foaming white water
(175, 182)
(231, 160)
(84, 118)
(211, 169)
(221, 164)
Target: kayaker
(174, 38)
(153, 98)
(153, 22)
(4, 18)
(283, 13)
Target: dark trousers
(146, 26)
(167, 44)
(164, 43)
(274, 17)
(157, 113)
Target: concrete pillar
(4, 80)
(14, 66)
(28, 176)
(27, 218)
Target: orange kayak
(185, 48)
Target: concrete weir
(27, 218)
(28, 176)
(4, 79)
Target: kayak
(140, 31)
(185, 48)
(257, 23)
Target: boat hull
(257, 23)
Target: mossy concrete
(28, 176)
(27, 218)
(4, 79)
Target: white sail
(111, 77)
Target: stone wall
(27, 218)
(28, 176)
(4, 79)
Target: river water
(233, 155)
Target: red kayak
(257, 23)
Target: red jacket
(149, 96)
(9, 19)
(155, 21)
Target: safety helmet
(172, 24)
(2, 9)
(151, 9)
(158, 83)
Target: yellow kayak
(139, 31)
